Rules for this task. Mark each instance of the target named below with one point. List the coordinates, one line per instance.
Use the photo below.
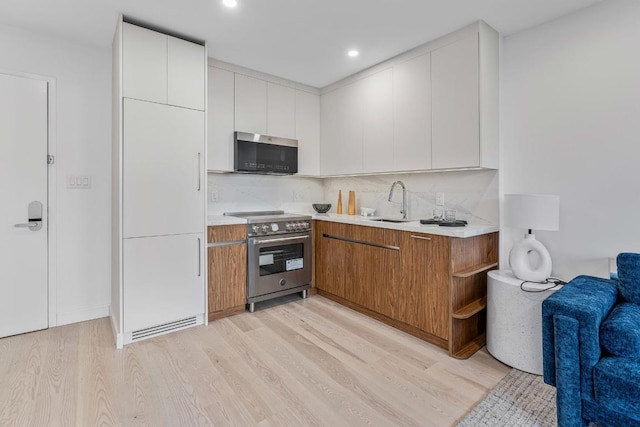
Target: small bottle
(339, 208)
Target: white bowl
(367, 211)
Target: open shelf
(470, 348)
(470, 309)
(475, 269)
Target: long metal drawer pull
(420, 237)
(199, 172)
(361, 242)
(199, 257)
(283, 239)
(229, 243)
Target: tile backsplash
(473, 194)
(249, 192)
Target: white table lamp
(531, 212)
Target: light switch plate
(440, 198)
(80, 182)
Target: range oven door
(278, 263)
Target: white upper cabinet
(376, 102)
(220, 119)
(342, 130)
(163, 170)
(144, 64)
(412, 114)
(250, 104)
(163, 69)
(456, 117)
(308, 132)
(185, 74)
(436, 108)
(281, 111)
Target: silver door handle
(420, 237)
(283, 239)
(31, 225)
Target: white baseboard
(65, 318)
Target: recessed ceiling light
(353, 53)
(230, 3)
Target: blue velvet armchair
(591, 347)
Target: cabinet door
(329, 151)
(372, 274)
(185, 74)
(163, 279)
(220, 120)
(251, 104)
(342, 131)
(455, 108)
(144, 64)
(163, 170)
(377, 118)
(227, 276)
(281, 111)
(330, 258)
(412, 114)
(424, 289)
(308, 132)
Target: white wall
(83, 136)
(570, 125)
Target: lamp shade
(532, 211)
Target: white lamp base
(521, 264)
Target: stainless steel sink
(390, 220)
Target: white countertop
(468, 231)
(224, 220)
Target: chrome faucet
(403, 210)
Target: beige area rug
(520, 399)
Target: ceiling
(301, 40)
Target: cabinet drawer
(227, 233)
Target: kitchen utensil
(339, 208)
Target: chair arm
(588, 300)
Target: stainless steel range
(279, 254)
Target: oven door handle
(281, 239)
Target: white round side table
(514, 321)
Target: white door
(164, 169)
(163, 279)
(23, 186)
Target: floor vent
(161, 329)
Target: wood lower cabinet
(358, 264)
(227, 262)
(430, 286)
(424, 284)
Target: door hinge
(50, 159)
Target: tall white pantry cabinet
(159, 183)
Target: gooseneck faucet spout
(403, 209)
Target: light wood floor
(305, 363)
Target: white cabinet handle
(420, 237)
(199, 258)
(198, 171)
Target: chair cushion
(616, 383)
(620, 331)
(629, 276)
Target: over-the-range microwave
(265, 154)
